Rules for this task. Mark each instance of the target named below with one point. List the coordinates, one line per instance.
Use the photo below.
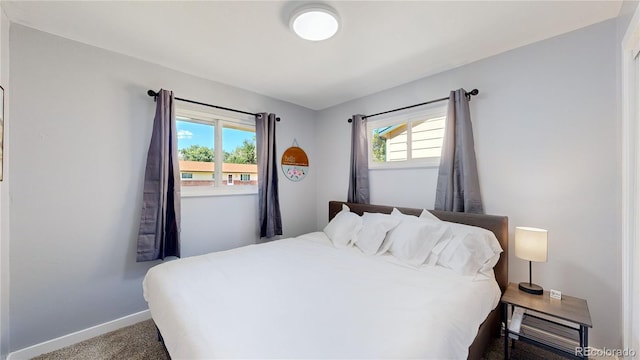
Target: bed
(304, 298)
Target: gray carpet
(140, 342)
(135, 342)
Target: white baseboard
(78, 336)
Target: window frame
(404, 118)
(217, 119)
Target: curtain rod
(155, 95)
(467, 94)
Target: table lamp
(531, 245)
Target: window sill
(209, 192)
(412, 164)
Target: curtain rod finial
(349, 120)
(474, 92)
(277, 119)
(152, 93)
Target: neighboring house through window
(407, 140)
(209, 143)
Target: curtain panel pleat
(268, 198)
(159, 231)
(458, 186)
(359, 168)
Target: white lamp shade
(531, 244)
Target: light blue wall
(4, 192)
(82, 128)
(547, 139)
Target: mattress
(303, 298)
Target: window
(245, 177)
(210, 143)
(407, 140)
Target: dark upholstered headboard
(496, 224)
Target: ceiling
(248, 44)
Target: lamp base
(530, 288)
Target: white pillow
(374, 230)
(428, 215)
(432, 259)
(425, 215)
(412, 240)
(343, 227)
(469, 250)
(487, 268)
(386, 244)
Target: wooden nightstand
(560, 326)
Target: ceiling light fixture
(315, 22)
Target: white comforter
(303, 298)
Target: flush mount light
(314, 22)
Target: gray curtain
(359, 170)
(159, 232)
(268, 199)
(458, 186)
